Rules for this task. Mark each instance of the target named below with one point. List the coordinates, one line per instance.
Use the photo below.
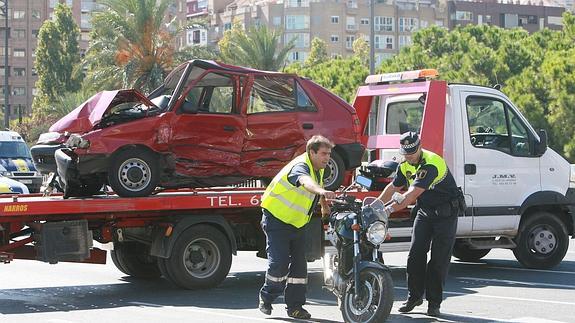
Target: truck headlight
(5, 173)
(376, 233)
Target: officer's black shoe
(265, 308)
(409, 305)
(433, 311)
(298, 313)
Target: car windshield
(14, 149)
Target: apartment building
(531, 15)
(338, 23)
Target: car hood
(88, 114)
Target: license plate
(26, 181)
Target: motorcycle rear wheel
(375, 298)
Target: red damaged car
(209, 124)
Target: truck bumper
(32, 182)
(352, 154)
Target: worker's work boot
(265, 308)
(409, 305)
(433, 311)
(298, 313)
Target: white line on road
(521, 269)
(195, 309)
(514, 282)
(502, 297)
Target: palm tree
(131, 46)
(258, 48)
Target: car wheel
(334, 172)
(134, 173)
(133, 258)
(463, 252)
(542, 241)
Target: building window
(19, 33)
(296, 3)
(301, 40)
(440, 22)
(19, 14)
(352, 4)
(85, 22)
(2, 72)
(85, 36)
(335, 19)
(277, 21)
(335, 56)
(350, 23)
(407, 24)
(334, 38)
(364, 21)
(382, 23)
(297, 22)
(298, 56)
(227, 26)
(34, 91)
(36, 14)
(488, 19)
(19, 71)
(19, 52)
(463, 15)
(35, 33)
(349, 42)
(19, 91)
(383, 41)
(404, 41)
(532, 19)
(423, 24)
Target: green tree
(131, 46)
(57, 58)
(259, 47)
(361, 50)
(318, 52)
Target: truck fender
(556, 199)
(162, 245)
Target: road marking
(519, 269)
(514, 282)
(533, 320)
(195, 309)
(501, 297)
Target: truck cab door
(500, 166)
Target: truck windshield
(404, 116)
(14, 149)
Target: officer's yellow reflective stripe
(276, 279)
(288, 203)
(287, 185)
(430, 159)
(21, 165)
(298, 281)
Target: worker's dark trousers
(287, 266)
(440, 233)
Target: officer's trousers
(439, 232)
(287, 266)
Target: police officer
(287, 206)
(438, 204)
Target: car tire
(134, 173)
(542, 241)
(334, 172)
(201, 258)
(463, 252)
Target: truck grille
(23, 174)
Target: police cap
(409, 143)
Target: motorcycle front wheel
(374, 300)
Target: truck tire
(334, 172)
(463, 252)
(201, 258)
(134, 173)
(542, 241)
(133, 259)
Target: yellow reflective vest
(430, 158)
(288, 203)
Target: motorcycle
(355, 273)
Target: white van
(16, 161)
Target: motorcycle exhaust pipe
(331, 278)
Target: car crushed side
(209, 124)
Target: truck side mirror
(541, 145)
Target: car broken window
(214, 93)
(272, 94)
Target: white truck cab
(16, 161)
(518, 191)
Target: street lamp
(4, 12)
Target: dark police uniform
(287, 266)
(436, 213)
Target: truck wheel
(201, 258)
(133, 258)
(463, 252)
(334, 172)
(134, 173)
(542, 241)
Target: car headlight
(376, 233)
(77, 141)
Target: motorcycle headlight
(376, 233)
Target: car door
(501, 168)
(273, 132)
(208, 135)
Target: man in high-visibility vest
(439, 203)
(287, 206)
